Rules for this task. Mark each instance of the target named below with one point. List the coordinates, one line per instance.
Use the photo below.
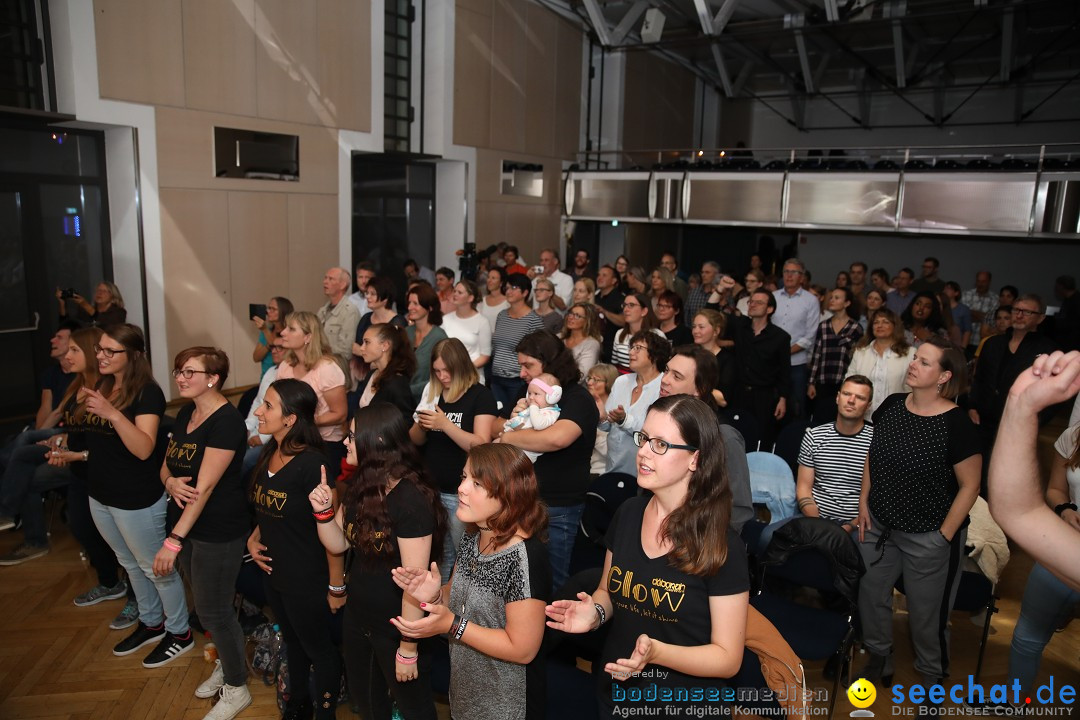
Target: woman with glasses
(390, 516)
(581, 335)
(753, 280)
(310, 359)
(455, 414)
(669, 312)
(269, 329)
(107, 308)
(631, 396)
(675, 584)
(512, 325)
(127, 501)
(599, 381)
(207, 519)
(544, 291)
(622, 269)
(468, 325)
(638, 316)
(303, 581)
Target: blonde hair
(317, 348)
(463, 373)
(114, 293)
(591, 328)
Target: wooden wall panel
(568, 92)
(313, 247)
(344, 70)
(186, 153)
(140, 50)
(219, 55)
(472, 79)
(658, 110)
(491, 224)
(510, 36)
(287, 62)
(194, 238)
(541, 48)
(258, 252)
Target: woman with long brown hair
(582, 336)
(493, 607)
(883, 355)
(387, 350)
(685, 627)
(127, 501)
(310, 359)
(638, 314)
(391, 516)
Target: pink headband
(542, 385)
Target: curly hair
(381, 439)
(553, 356)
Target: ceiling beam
(804, 62)
(709, 27)
(1006, 44)
(599, 24)
(627, 23)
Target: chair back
(817, 553)
(602, 499)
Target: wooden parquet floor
(56, 661)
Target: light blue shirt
(622, 452)
(798, 315)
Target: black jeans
(304, 617)
(370, 666)
(211, 568)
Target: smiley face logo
(862, 693)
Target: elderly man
(564, 284)
(338, 316)
(667, 260)
(798, 313)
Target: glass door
(21, 327)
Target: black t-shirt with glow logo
(650, 596)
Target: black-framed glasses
(630, 305)
(188, 373)
(658, 446)
(639, 348)
(593, 379)
(107, 352)
(280, 348)
(1025, 312)
(579, 316)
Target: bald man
(338, 316)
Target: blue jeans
(23, 457)
(32, 509)
(1047, 603)
(454, 530)
(136, 536)
(506, 391)
(562, 531)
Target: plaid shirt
(832, 352)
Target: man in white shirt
(564, 284)
(338, 316)
(364, 272)
(798, 313)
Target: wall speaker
(653, 26)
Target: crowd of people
(425, 457)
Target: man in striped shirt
(832, 456)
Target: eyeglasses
(579, 316)
(658, 446)
(277, 348)
(593, 379)
(630, 305)
(1025, 312)
(107, 352)
(188, 373)
(639, 348)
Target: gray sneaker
(100, 593)
(127, 617)
(22, 553)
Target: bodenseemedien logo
(862, 694)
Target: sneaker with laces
(100, 593)
(212, 684)
(127, 617)
(232, 699)
(142, 636)
(170, 648)
(24, 552)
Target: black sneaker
(170, 648)
(142, 636)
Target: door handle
(28, 328)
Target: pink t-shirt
(324, 376)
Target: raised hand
(99, 405)
(322, 497)
(572, 616)
(1051, 379)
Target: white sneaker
(212, 684)
(233, 700)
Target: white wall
(1030, 266)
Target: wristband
(601, 613)
(461, 629)
(406, 659)
(179, 540)
(170, 545)
(324, 515)
(1063, 507)
(803, 502)
(437, 600)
